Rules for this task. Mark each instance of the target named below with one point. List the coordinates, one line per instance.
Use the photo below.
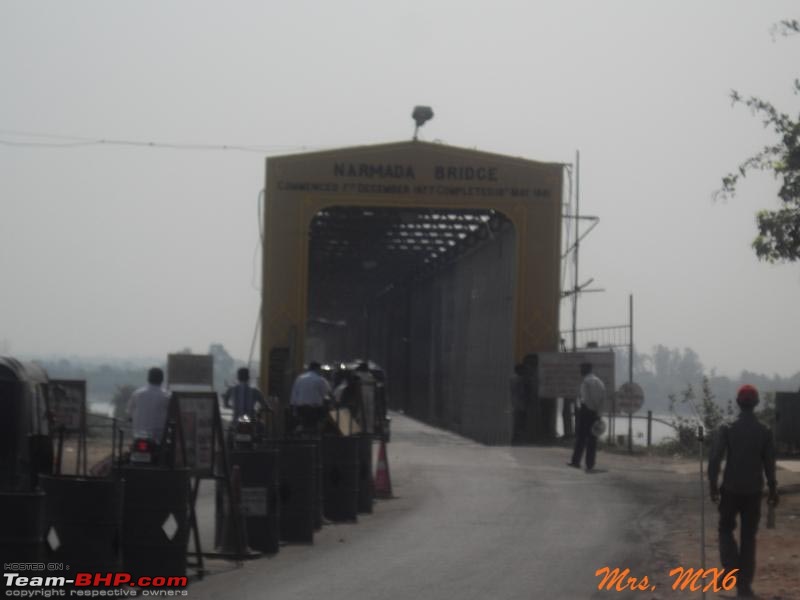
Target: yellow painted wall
(410, 174)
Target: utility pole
(575, 288)
(630, 371)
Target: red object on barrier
(383, 481)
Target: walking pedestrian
(749, 453)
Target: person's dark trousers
(311, 418)
(584, 438)
(743, 556)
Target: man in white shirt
(147, 407)
(591, 397)
(309, 394)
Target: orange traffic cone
(383, 482)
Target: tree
(223, 363)
(778, 236)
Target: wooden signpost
(200, 447)
(67, 407)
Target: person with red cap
(747, 446)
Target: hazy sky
(138, 251)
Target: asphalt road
(468, 522)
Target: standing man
(309, 394)
(750, 452)
(147, 407)
(591, 398)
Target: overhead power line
(55, 140)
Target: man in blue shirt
(243, 396)
(310, 392)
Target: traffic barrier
(259, 471)
(383, 480)
(234, 535)
(22, 527)
(297, 490)
(340, 472)
(317, 492)
(83, 522)
(365, 484)
(155, 521)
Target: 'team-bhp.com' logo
(95, 585)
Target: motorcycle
(144, 450)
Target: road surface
(469, 522)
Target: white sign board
(67, 403)
(560, 372)
(255, 502)
(197, 421)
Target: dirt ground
(777, 551)
(673, 529)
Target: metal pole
(630, 372)
(573, 405)
(649, 428)
(700, 436)
(630, 346)
(577, 245)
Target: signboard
(255, 502)
(630, 398)
(67, 404)
(560, 372)
(190, 369)
(197, 412)
(787, 421)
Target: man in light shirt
(147, 407)
(309, 394)
(591, 398)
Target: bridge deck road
(469, 522)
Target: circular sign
(630, 397)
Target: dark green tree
(778, 236)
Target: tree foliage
(708, 414)
(778, 236)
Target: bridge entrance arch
(441, 263)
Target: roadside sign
(630, 397)
(560, 374)
(197, 412)
(68, 404)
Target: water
(100, 407)
(660, 431)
